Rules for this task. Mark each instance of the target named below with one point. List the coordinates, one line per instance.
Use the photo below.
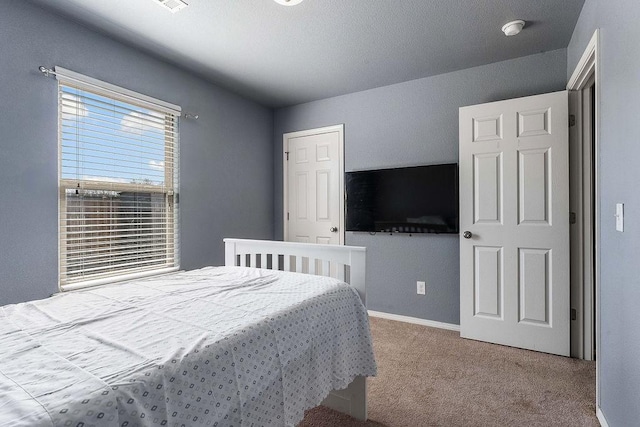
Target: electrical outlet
(421, 288)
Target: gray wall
(619, 348)
(226, 172)
(409, 124)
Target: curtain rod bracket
(46, 71)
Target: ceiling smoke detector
(172, 5)
(288, 2)
(512, 28)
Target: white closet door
(314, 196)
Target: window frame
(172, 114)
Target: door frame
(587, 71)
(285, 175)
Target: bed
(256, 342)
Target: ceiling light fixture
(172, 5)
(288, 2)
(512, 28)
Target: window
(118, 176)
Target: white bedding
(219, 346)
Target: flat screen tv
(419, 199)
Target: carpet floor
(432, 377)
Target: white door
(514, 223)
(313, 186)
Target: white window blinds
(118, 183)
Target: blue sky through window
(109, 140)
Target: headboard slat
(331, 260)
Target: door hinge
(572, 218)
(287, 153)
(572, 120)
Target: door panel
(534, 284)
(488, 282)
(301, 196)
(533, 186)
(532, 123)
(487, 186)
(323, 195)
(487, 128)
(514, 270)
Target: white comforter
(220, 346)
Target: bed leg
(351, 401)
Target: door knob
(467, 234)
(334, 229)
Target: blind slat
(87, 264)
(104, 154)
(105, 145)
(109, 122)
(71, 277)
(117, 170)
(99, 130)
(75, 101)
(84, 252)
(97, 222)
(93, 237)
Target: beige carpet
(432, 377)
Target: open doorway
(584, 203)
(582, 199)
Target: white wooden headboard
(324, 260)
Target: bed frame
(346, 263)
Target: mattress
(219, 346)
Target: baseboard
(601, 418)
(415, 320)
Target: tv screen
(419, 199)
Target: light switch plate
(620, 217)
(421, 288)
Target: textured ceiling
(281, 56)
